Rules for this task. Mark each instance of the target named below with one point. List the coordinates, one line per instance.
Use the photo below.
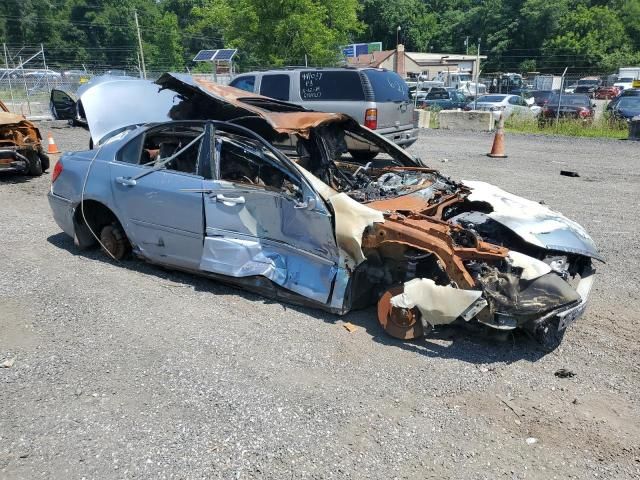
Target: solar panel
(205, 55)
(225, 54)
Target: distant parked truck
(626, 76)
(462, 81)
(547, 82)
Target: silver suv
(376, 98)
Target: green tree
(382, 19)
(282, 32)
(589, 38)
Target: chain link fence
(28, 91)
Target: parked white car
(506, 105)
(624, 83)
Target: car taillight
(371, 118)
(57, 170)
(584, 112)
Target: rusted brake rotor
(402, 323)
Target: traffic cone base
(497, 149)
(52, 147)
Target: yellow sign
(635, 84)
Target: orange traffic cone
(53, 148)
(497, 149)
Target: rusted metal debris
(20, 144)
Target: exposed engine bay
(437, 240)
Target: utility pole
(466, 44)
(560, 96)
(46, 70)
(6, 63)
(144, 69)
(475, 100)
(26, 88)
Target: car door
(63, 107)
(159, 204)
(263, 219)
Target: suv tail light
(584, 112)
(57, 170)
(371, 118)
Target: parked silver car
(505, 105)
(377, 98)
(216, 197)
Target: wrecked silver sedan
(262, 194)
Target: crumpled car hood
(115, 104)
(221, 102)
(534, 223)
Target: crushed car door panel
(262, 220)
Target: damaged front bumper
(435, 305)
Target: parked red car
(568, 106)
(607, 93)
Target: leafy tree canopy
(516, 35)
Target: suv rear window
(388, 86)
(275, 86)
(331, 85)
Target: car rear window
(570, 100)
(388, 86)
(275, 86)
(319, 85)
(438, 94)
(492, 98)
(542, 94)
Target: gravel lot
(131, 371)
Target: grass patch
(602, 127)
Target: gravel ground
(131, 371)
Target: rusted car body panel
(20, 144)
(430, 251)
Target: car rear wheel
(363, 155)
(114, 241)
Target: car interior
(161, 144)
(245, 161)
